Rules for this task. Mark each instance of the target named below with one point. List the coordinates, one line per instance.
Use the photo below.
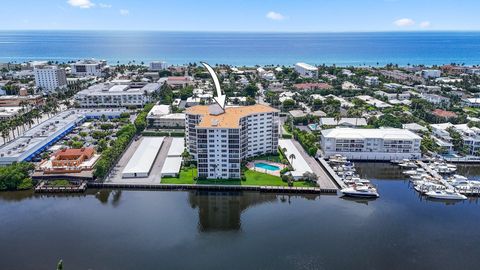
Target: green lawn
(272, 158)
(470, 110)
(58, 183)
(186, 177)
(253, 178)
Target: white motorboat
(348, 174)
(426, 186)
(419, 176)
(417, 171)
(456, 177)
(360, 192)
(356, 180)
(409, 164)
(461, 182)
(446, 195)
(337, 159)
(443, 168)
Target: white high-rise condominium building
(220, 140)
(158, 65)
(371, 144)
(88, 68)
(306, 70)
(50, 78)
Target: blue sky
(242, 15)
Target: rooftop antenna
(220, 98)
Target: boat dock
(434, 174)
(442, 181)
(44, 188)
(269, 189)
(331, 173)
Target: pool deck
(251, 166)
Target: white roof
(177, 147)
(364, 133)
(297, 113)
(329, 121)
(176, 116)
(299, 164)
(159, 110)
(414, 127)
(172, 165)
(144, 156)
(306, 66)
(473, 100)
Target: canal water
(111, 229)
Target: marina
(437, 180)
(352, 185)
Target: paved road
(324, 180)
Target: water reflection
(103, 196)
(221, 211)
(364, 201)
(379, 170)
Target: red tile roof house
(444, 114)
(70, 164)
(312, 86)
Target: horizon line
(242, 31)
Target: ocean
(343, 49)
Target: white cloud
(404, 22)
(272, 15)
(102, 5)
(81, 3)
(124, 12)
(425, 24)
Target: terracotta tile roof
(60, 154)
(231, 117)
(307, 86)
(178, 78)
(443, 113)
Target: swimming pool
(313, 127)
(266, 166)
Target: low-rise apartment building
(160, 116)
(470, 136)
(431, 73)
(18, 101)
(157, 65)
(393, 96)
(371, 144)
(306, 70)
(88, 68)
(116, 95)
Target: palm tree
(186, 156)
(337, 118)
(4, 131)
(292, 157)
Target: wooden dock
(43, 188)
(269, 189)
(331, 173)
